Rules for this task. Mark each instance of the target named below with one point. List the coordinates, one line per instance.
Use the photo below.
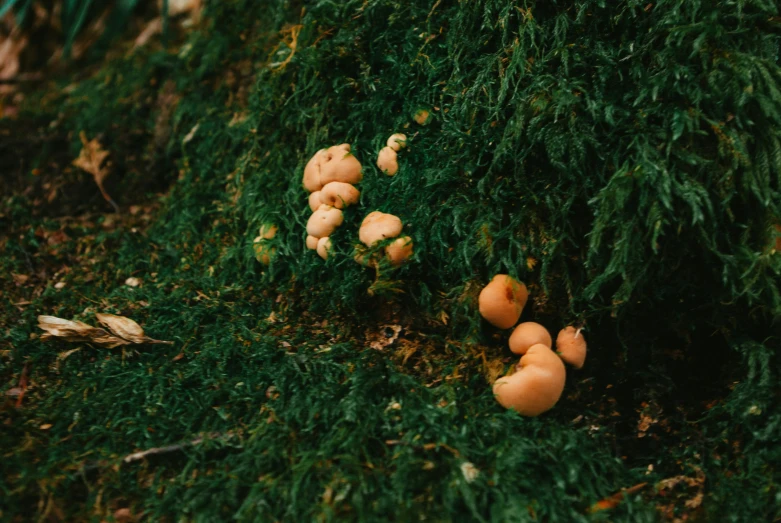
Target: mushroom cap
(399, 250)
(339, 165)
(387, 161)
(378, 226)
(311, 242)
(263, 250)
(421, 116)
(339, 194)
(268, 231)
(324, 247)
(501, 302)
(527, 334)
(397, 141)
(315, 201)
(571, 346)
(312, 171)
(324, 221)
(536, 386)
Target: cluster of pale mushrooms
(330, 178)
(539, 377)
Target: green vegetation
(621, 158)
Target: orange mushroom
(502, 301)
(314, 200)
(387, 161)
(324, 247)
(397, 141)
(571, 346)
(378, 226)
(339, 195)
(537, 384)
(527, 334)
(340, 165)
(399, 251)
(324, 221)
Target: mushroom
(378, 226)
(268, 231)
(421, 116)
(527, 334)
(311, 242)
(324, 247)
(339, 195)
(501, 301)
(315, 201)
(400, 250)
(571, 346)
(387, 161)
(312, 171)
(324, 221)
(537, 384)
(339, 165)
(397, 141)
(263, 251)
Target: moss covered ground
(621, 158)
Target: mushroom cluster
(538, 381)
(379, 226)
(387, 160)
(330, 178)
(264, 250)
(539, 378)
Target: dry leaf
(388, 335)
(126, 329)
(77, 331)
(91, 159)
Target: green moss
(622, 159)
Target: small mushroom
(400, 250)
(422, 116)
(263, 250)
(311, 242)
(340, 165)
(387, 161)
(527, 334)
(339, 195)
(571, 346)
(314, 200)
(378, 226)
(268, 231)
(537, 384)
(324, 221)
(501, 301)
(312, 171)
(324, 247)
(397, 141)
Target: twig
(138, 456)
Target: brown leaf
(77, 331)
(126, 328)
(91, 159)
